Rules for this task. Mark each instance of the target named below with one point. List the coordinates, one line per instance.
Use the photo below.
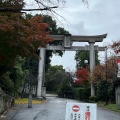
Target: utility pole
(106, 76)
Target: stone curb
(10, 113)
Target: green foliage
(101, 90)
(111, 92)
(84, 94)
(12, 81)
(7, 83)
(53, 77)
(93, 99)
(59, 81)
(65, 91)
(76, 92)
(81, 56)
(16, 4)
(54, 30)
(18, 74)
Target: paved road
(52, 109)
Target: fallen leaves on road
(25, 101)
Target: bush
(111, 92)
(93, 99)
(76, 93)
(101, 90)
(65, 91)
(84, 94)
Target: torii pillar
(92, 65)
(68, 39)
(40, 71)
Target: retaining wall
(6, 102)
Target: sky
(101, 17)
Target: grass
(110, 106)
(25, 101)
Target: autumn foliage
(99, 73)
(106, 71)
(21, 36)
(82, 75)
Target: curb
(10, 113)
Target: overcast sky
(101, 17)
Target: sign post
(81, 111)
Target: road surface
(53, 109)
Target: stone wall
(6, 102)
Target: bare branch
(19, 10)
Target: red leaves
(82, 75)
(116, 47)
(21, 36)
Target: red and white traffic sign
(75, 108)
(81, 111)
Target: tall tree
(21, 36)
(82, 55)
(55, 76)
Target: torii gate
(68, 40)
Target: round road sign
(75, 108)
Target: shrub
(101, 90)
(65, 91)
(93, 99)
(84, 94)
(76, 93)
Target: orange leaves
(99, 73)
(107, 71)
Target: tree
(54, 30)
(82, 84)
(21, 36)
(103, 77)
(18, 74)
(82, 76)
(110, 67)
(6, 83)
(81, 56)
(43, 5)
(13, 79)
(54, 77)
(56, 2)
(99, 73)
(15, 4)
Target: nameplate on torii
(73, 48)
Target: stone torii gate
(68, 39)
